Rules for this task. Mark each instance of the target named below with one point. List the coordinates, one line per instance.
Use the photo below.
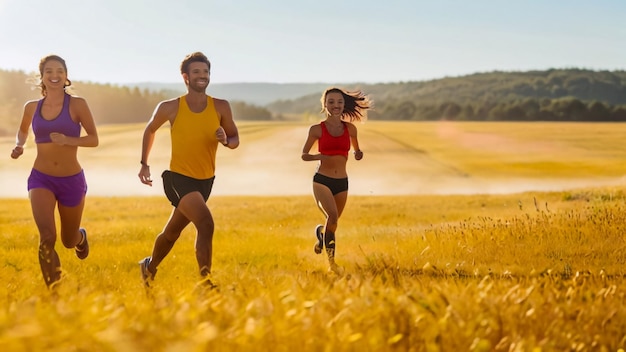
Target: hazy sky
(341, 41)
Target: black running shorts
(336, 185)
(176, 186)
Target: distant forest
(110, 104)
(550, 95)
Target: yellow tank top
(194, 143)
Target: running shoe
(82, 249)
(208, 282)
(146, 275)
(320, 239)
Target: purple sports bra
(63, 123)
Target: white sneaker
(146, 275)
(319, 245)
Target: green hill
(550, 95)
(564, 94)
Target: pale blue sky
(341, 41)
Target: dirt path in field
(269, 164)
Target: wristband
(144, 163)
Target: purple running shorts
(68, 190)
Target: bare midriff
(57, 160)
(333, 166)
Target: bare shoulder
(352, 130)
(221, 104)
(77, 100)
(30, 107)
(31, 104)
(315, 130)
(168, 106)
(169, 102)
(351, 127)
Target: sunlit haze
(114, 41)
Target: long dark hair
(356, 103)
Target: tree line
(109, 104)
(549, 95)
(530, 109)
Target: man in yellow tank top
(198, 123)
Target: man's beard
(197, 88)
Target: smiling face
(53, 74)
(334, 104)
(198, 76)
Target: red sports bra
(329, 145)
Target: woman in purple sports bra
(57, 178)
(334, 136)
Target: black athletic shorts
(176, 186)
(336, 185)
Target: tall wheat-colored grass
(534, 271)
(520, 272)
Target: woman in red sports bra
(334, 136)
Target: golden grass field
(400, 158)
(430, 270)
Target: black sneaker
(320, 239)
(146, 274)
(208, 282)
(82, 249)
